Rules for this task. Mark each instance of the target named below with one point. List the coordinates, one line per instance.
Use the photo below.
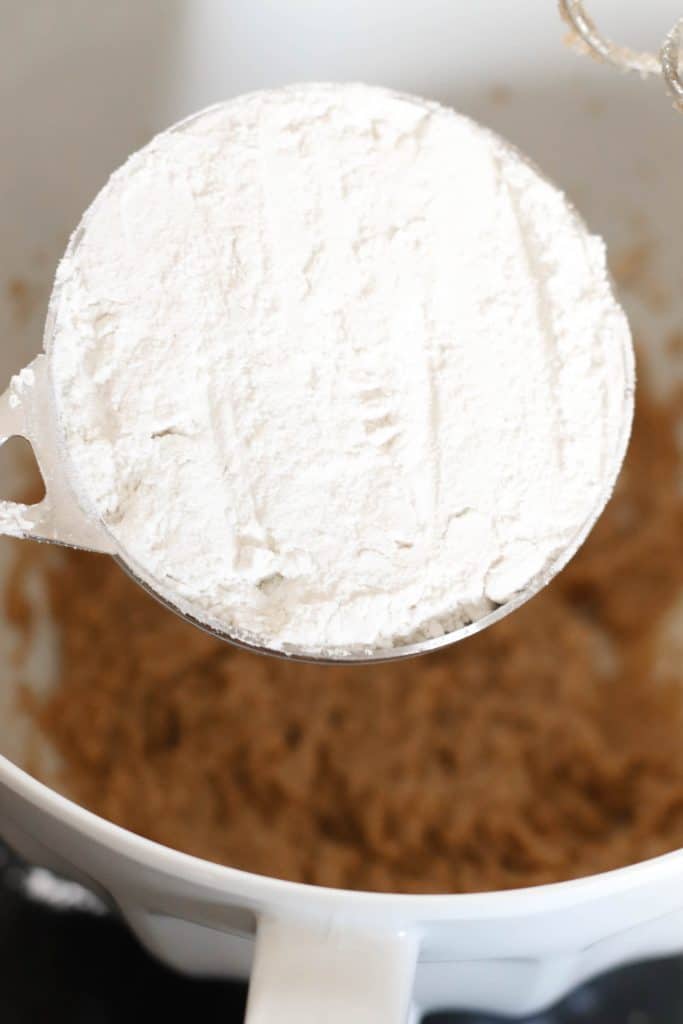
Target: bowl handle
(312, 972)
(26, 411)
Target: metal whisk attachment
(588, 39)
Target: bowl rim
(279, 892)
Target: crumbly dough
(547, 748)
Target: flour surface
(337, 368)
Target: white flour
(337, 368)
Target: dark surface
(84, 968)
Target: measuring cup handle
(26, 411)
(324, 971)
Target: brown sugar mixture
(548, 747)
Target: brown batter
(549, 747)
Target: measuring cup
(28, 409)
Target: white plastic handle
(26, 411)
(324, 973)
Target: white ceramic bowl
(82, 85)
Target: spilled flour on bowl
(337, 368)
